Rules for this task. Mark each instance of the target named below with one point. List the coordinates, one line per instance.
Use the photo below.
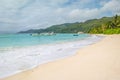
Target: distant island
(105, 25)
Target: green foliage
(112, 31)
(109, 27)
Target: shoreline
(71, 68)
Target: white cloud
(12, 4)
(112, 6)
(83, 14)
(18, 15)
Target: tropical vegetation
(105, 25)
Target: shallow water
(20, 40)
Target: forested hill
(108, 25)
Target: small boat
(75, 35)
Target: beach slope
(99, 61)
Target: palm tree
(109, 25)
(115, 22)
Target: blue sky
(17, 15)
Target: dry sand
(100, 61)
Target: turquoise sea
(20, 52)
(19, 40)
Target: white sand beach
(99, 61)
